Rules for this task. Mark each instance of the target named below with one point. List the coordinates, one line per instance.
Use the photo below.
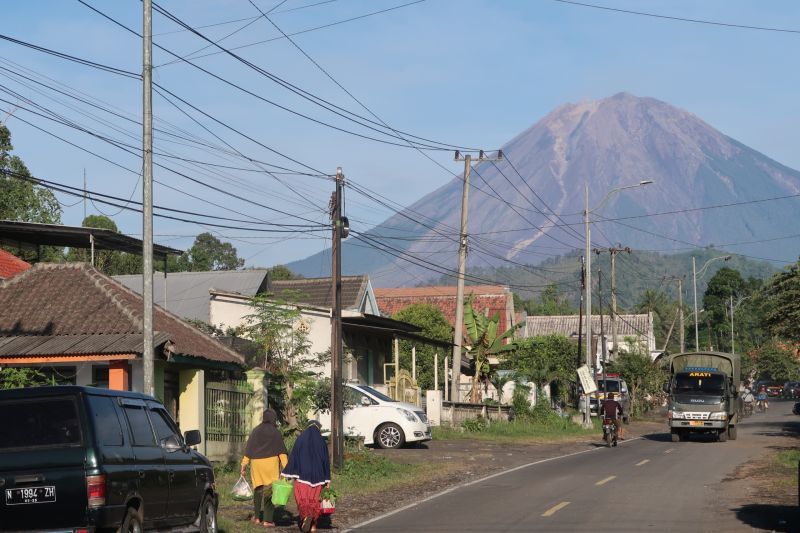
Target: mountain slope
(606, 143)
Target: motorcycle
(748, 409)
(609, 427)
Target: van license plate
(26, 495)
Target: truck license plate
(696, 423)
(27, 495)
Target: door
(184, 492)
(149, 458)
(360, 415)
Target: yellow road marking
(554, 509)
(606, 480)
(640, 463)
(670, 450)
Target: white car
(381, 420)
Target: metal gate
(227, 413)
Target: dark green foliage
(782, 304)
(543, 360)
(475, 425)
(435, 326)
(550, 302)
(644, 377)
(110, 262)
(209, 253)
(281, 272)
(776, 362)
(13, 378)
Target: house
(82, 327)
(11, 265)
(185, 294)
(489, 299)
(637, 328)
(368, 337)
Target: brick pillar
(118, 372)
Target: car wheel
(208, 516)
(390, 436)
(132, 522)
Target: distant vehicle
(791, 389)
(613, 383)
(703, 394)
(381, 420)
(88, 459)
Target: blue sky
(467, 72)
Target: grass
(787, 459)
(518, 431)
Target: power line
(680, 19)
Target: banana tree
(482, 342)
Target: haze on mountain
(524, 216)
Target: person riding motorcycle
(609, 409)
(762, 397)
(749, 400)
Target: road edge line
(473, 482)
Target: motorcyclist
(748, 400)
(610, 409)
(762, 396)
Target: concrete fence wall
(454, 414)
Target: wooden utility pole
(462, 266)
(147, 194)
(340, 230)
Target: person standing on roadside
(265, 452)
(310, 467)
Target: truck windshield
(609, 386)
(699, 382)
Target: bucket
(281, 491)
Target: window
(106, 423)
(38, 423)
(378, 395)
(100, 376)
(162, 424)
(353, 398)
(141, 431)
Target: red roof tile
(10, 265)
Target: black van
(82, 459)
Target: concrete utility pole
(462, 266)
(680, 309)
(340, 230)
(613, 251)
(147, 193)
(587, 296)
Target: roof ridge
(104, 283)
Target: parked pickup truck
(703, 394)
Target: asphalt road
(646, 484)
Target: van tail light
(96, 490)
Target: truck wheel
(732, 432)
(723, 435)
(390, 436)
(676, 437)
(132, 522)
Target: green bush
(365, 465)
(475, 425)
(519, 401)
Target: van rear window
(43, 422)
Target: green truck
(704, 394)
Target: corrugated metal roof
(74, 344)
(187, 292)
(568, 325)
(318, 292)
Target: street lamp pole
(694, 280)
(587, 418)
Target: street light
(695, 273)
(587, 418)
(733, 310)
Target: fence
(227, 411)
(455, 413)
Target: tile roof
(567, 325)
(73, 308)
(491, 298)
(187, 292)
(318, 292)
(10, 264)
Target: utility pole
(580, 312)
(733, 350)
(147, 193)
(462, 266)
(604, 349)
(587, 290)
(84, 194)
(613, 251)
(340, 229)
(680, 309)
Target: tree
(278, 328)
(483, 340)
(281, 272)
(434, 325)
(543, 360)
(209, 253)
(782, 304)
(665, 317)
(776, 362)
(644, 377)
(551, 302)
(110, 262)
(23, 200)
(15, 378)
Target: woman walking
(265, 453)
(310, 467)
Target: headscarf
(265, 440)
(309, 462)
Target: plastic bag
(241, 490)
